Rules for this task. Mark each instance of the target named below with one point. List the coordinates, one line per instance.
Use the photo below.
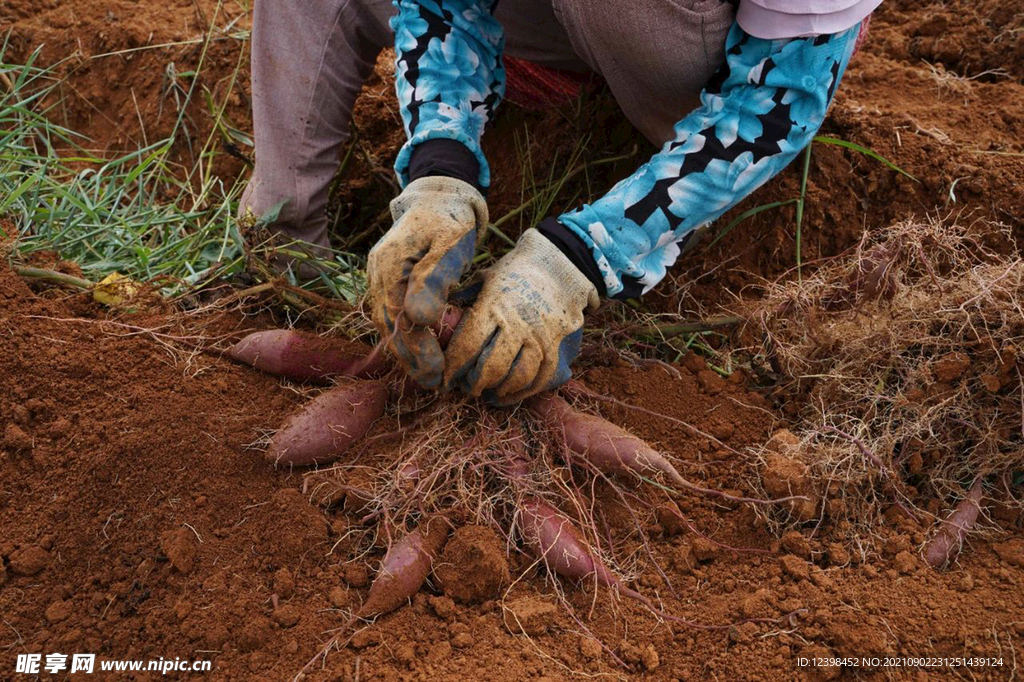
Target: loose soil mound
(138, 522)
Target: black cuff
(574, 249)
(449, 158)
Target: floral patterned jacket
(760, 109)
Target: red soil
(139, 519)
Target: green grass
(117, 215)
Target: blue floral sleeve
(761, 108)
(448, 74)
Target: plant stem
(53, 276)
(800, 209)
(675, 329)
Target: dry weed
(904, 357)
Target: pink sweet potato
(306, 357)
(326, 426)
(611, 449)
(402, 572)
(445, 328)
(945, 546)
(404, 568)
(555, 540)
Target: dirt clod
(59, 610)
(16, 439)
(284, 583)
(462, 640)
(179, 546)
(838, 555)
(472, 567)
(785, 477)
(710, 381)
(338, 597)
(796, 543)
(443, 607)
(704, 550)
(795, 567)
(529, 615)
(904, 562)
(1011, 551)
(357, 575)
(650, 659)
(29, 560)
(287, 616)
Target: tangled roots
(904, 359)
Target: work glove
(525, 328)
(414, 265)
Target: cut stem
(53, 276)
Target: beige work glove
(526, 326)
(415, 264)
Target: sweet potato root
(609, 448)
(325, 427)
(404, 568)
(305, 357)
(402, 572)
(945, 546)
(554, 539)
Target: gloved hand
(411, 269)
(525, 328)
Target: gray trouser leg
(657, 55)
(309, 61)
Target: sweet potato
(609, 448)
(325, 427)
(305, 357)
(555, 540)
(404, 568)
(402, 572)
(945, 546)
(445, 327)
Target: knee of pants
(657, 55)
(292, 208)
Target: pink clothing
(774, 19)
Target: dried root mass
(904, 356)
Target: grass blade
(865, 151)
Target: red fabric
(862, 34)
(537, 87)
